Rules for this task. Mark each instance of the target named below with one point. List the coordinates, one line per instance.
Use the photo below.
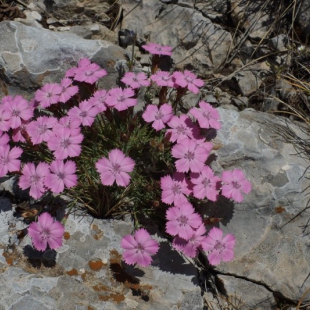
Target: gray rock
(245, 294)
(269, 249)
(240, 102)
(196, 40)
(90, 274)
(23, 46)
(279, 43)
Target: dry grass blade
(302, 298)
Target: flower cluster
(75, 139)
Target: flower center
(65, 143)
(189, 79)
(42, 129)
(89, 73)
(219, 246)
(235, 184)
(140, 248)
(189, 155)
(121, 98)
(181, 129)
(158, 115)
(182, 220)
(34, 179)
(206, 115)
(45, 233)
(116, 168)
(15, 113)
(49, 95)
(4, 160)
(206, 182)
(176, 188)
(61, 175)
(83, 114)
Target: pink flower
(65, 144)
(19, 110)
(234, 183)
(189, 80)
(5, 116)
(205, 184)
(191, 156)
(157, 49)
(139, 248)
(46, 232)
(9, 161)
(4, 139)
(190, 247)
(219, 248)
(19, 132)
(159, 117)
(48, 94)
(71, 123)
(120, 98)
(83, 63)
(182, 220)
(89, 74)
(174, 189)
(115, 168)
(85, 112)
(62, 175)
(207, 116)
(98, 100)
(34, 177)
(41, 129)
(163, 78)
(135, 80)
(68, 90)
(182, 127)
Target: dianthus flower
(85, 112)
(61, 175)
(19, 110)
(68, 90)
(48, 95)
(135, 80)
(19, 132)
(45, 232)
(40, 130)
(120, 98)
(234, 183)
(182, 127)
(98, 100)
(34, 177)
(89, 74)
(163, 78)
(190, 247)
(139, 248)
(71, 123)
(115, 168)
(9, 161)
(159, 117)
(191, 156)
(189, 80)
(83, 63)
(219, 248)
(4, 139)
(157, 49)
(205, 184)
(207, 116)
(174, 189)
(65, 144)
(182, 220)
(5, 119)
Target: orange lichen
(100, 287)
(96, 233)
(95, 265)
(66, 235)
(8, 259)
(72, 272)
(113, 297)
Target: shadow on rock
(37, 258)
